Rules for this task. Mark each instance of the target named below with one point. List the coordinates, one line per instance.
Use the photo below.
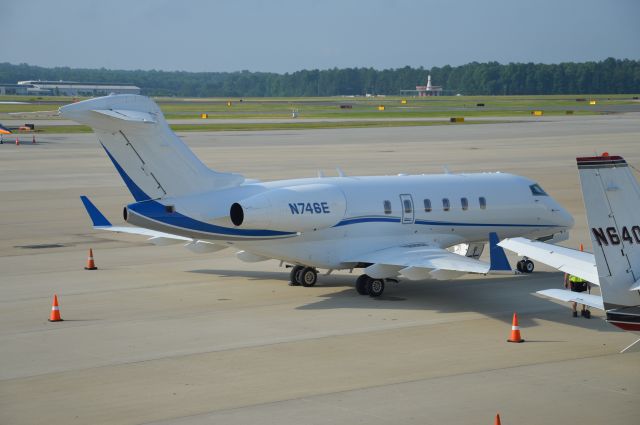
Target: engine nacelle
(291, 209)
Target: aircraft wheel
(361, 284)
(375, 287)
(294, 276)
(308, 276)
(520, 266)
(528, 266)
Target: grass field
(61, 129)
(337, 108)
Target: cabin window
(483, 203)
(446, 205)
(408, 208)
(465, 204)
(536, 190)
(427, 205)
(387, 207)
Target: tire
(361, 284)
(528, 266)
(375, 287)
(520, 266)
(294, 276)
(308, 276)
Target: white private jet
(612, 202)
(416, 227)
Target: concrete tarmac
(161, 335)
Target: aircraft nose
(565, 219)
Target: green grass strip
(69, 129)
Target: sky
(286, 35)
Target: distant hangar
(67, 88)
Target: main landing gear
(366, 285)
(305, 276)
(525, 265)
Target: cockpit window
(536, 190)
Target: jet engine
(291, 209)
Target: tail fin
(612, 201)
(150, 158)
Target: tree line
(491, 78)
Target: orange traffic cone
(17, 141)
(91, 265)
(515, 330)
(497, 419)
(55, 310)
(33, 142)
(581, 247)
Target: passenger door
(408, 215)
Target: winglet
(98, 219)
(498, 258)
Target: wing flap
(418, 261)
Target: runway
(161, 335)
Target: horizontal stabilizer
(100, 222)
(126, 115)
(594, 301)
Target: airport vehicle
(391, 226)
(4, 130)
(612, 202)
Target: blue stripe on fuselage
(373, 219)
(354, 220)
(156, 211)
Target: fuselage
(372, 212)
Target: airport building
(428, 90)
(13, 89)
(66, 88)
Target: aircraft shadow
(495, 297)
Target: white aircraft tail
(151, 159)
(612, 202)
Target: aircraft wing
(419, 261)
(594, 301)
(100, 222)
(577, 263)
